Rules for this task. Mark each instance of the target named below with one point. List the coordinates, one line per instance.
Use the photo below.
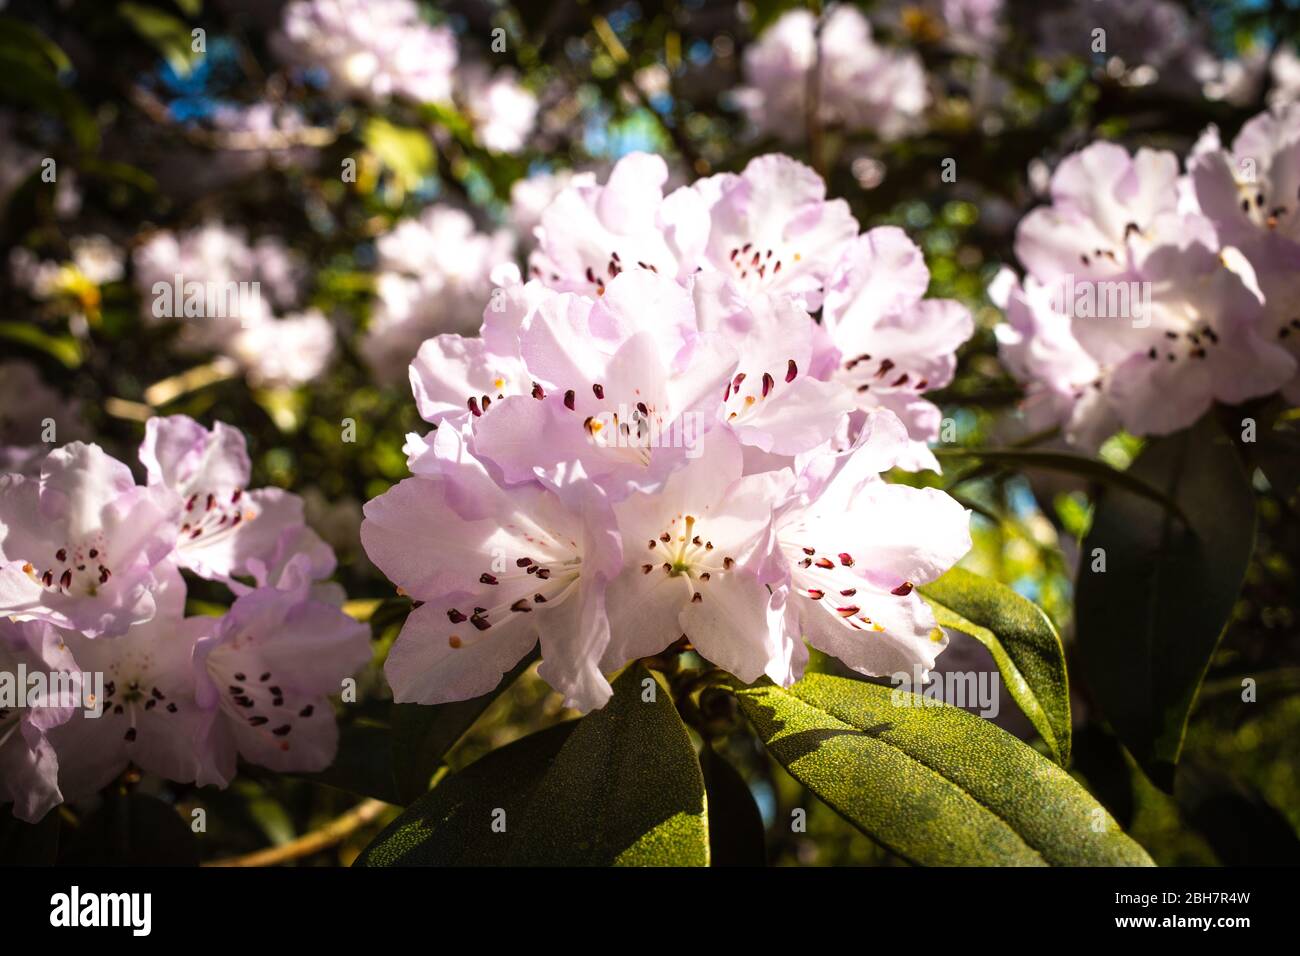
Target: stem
(331, 834)
(816, 143)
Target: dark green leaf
(626, 789)
(422, 735)
(19, 35)
(28, 844)
(169, 35)
(1148, 624)
(1243, 827)
(931, 782)
(1023, 642)
(620, 786)
(452, 824)
(735, 826)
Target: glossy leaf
(626, 789)
(1149, 623)
(452, 824)
(1023, 642)
(621, 786)
(422, 735)
(931, 782)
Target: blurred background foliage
(113, 92)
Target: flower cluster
(91, 587)
(212, 272)
(652, 437)
(1152, 293)
(374, 49)
(861, 85)
(434, 273)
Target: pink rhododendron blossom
(150, 717)
(618, 453)
(863, 85)
(435, 276)
(1135, 312)
(79, 544)
(592, 233)
(29, 766)
(893, 345)
(772, 228)
(265, 671)
(855, 548)
(224, 529)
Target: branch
(331, 834)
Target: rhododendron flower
(624, 385)
(773, 229)
(863, 86)
(857, 547)
(1252, 196)
(224, 529)
(1063, 383)
(150, 716)
(893, 346)
(501, 110)
(289, 351)
(592, 233)
(492, 578)
(79, 545)
(771, 400)
(694, 551)
(266, 668)
(1203, 343)
(435, 276)
(1105, 205)
(29, 765)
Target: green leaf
(451, 825)
(28, 844)
(736, 836)
(931, 782)
(1149, 624)
(406, 150)
(64, 348)
(1089, 468)
(422, 735)
(17, 34)
(169, 35)
(626, 789)
(1023, 642)
(621, 786)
